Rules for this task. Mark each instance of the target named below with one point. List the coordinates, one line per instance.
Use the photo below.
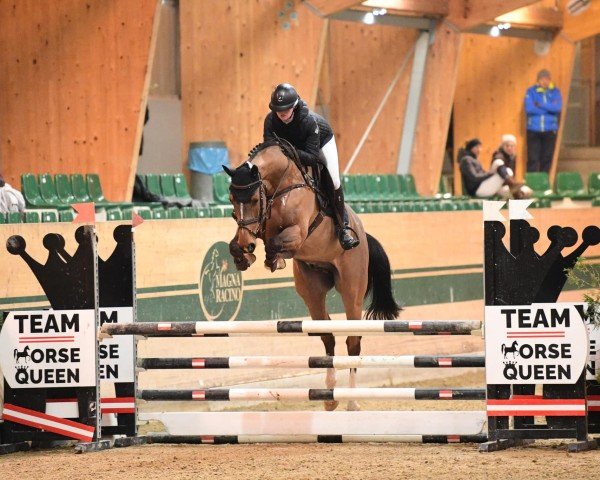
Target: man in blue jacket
(543, 104)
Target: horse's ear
(228, 171)
(254, 170)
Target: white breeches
(331, 162)
(495, 184)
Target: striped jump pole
(306, 327)
(340, 394)
(242, 439)
(416, 361)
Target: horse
(514, 349)
(24, 354)
(275, 200)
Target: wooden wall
(73, 75)
(363, 61)
(233, 53)
(493, 76)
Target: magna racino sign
(535, 344)
(220, 284)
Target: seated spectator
(498, 180)
(11, 200)
(507, 151)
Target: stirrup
(347, 241)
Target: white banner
(594, 355)
(49, 348)
(534, 344)
(116, 354)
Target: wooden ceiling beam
(327, 7)
(537, 16)
(584, 25)
(423, 8)
(466, 14)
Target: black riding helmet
(283, 97)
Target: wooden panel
(363, 62)
(72, 84)
(586, 24)
(466, 14)
(233, 53)
(534, 16)
(327, 7)
(436, 106)
(490, 91)
(426, 8)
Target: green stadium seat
(152, 181)
(596, 202)
(48, 189)
(114, 214)
(349, 186)
(203, 212)
(49, 217)
(371, 187)
(15, 217)
(540, 184)
(66, 216)
(407, 186)
(181, 189)
(594, 184)
(31, 192)
(159, 213)
(221, 182)
(570, 184)
(167, 185)
(189, 212)
(32, 216)
(64, 190)
(3, 218)
(127, 213)
(94, 188)
(145, 213)
(79, 188)
(174, 213)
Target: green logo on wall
(220, 284)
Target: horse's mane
(286, 148)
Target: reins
(266, 201)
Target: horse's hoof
(353, 406)
(281, 264)
(331, 405)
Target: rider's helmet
(283, 97)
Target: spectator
(543, 104)
(507, 151)
(11, 200)
(499, 180)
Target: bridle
(265, 205)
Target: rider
(313, 138)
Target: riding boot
(347, 241)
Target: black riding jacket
(307, 131)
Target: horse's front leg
(283, 245)
(241, 259)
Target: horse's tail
(383, 306)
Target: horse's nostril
(251, 247)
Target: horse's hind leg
(313, 285)
(352, 296)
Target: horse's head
(248, 197)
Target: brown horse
(275, 201)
